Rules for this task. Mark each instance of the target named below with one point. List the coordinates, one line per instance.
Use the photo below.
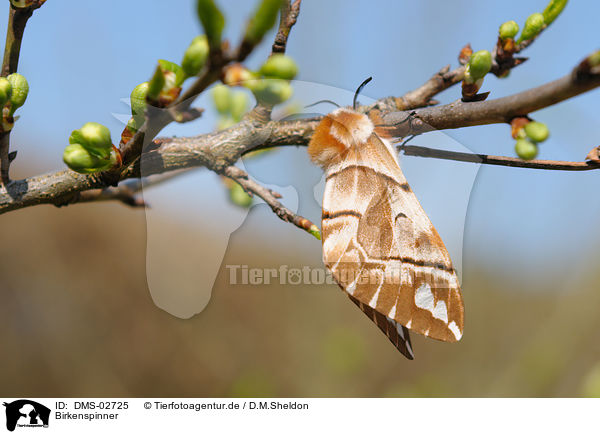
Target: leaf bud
(509, 30)
(536, 131)
(195, 56)
(525, 149)
(279, 66)
(212, 20)
(20, 90)
(262, 21)
(533, 25)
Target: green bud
(238, 196)
(509, 30)
(553, 10)
(271, 91)
(133, 125)
(594, 58)
(533, 25)
(5, 90)
(480, 64)
(525, 149)
(138, 99)
(94, 137)
(238, 105)
(195, 56)
(212, 20)
(262, 21)
(79, 159)
(279, 66)
(19, 4)
(221, 98)
(536, 131)
(20, 89)
(315, 232)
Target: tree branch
(289, 15)
(17, 20)
(501, 110)
(420, 151)
(219, 150)
(270, 197)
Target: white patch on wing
(424, 300)
(424, 297)
(352, 287)
(373, 301)
(409, 323)
(440, 311)
(392, 313)
(454, 329)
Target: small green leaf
(553, 10)
(156, 84)
(179, 75)
(212, 20)
(263, 20)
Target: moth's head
(336, 133)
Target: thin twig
(270, 197)
(494, 160)
(289, 15)
(17, 20)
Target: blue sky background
(82, 58)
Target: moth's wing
(396, 333)
(381, 247)
(339, 228)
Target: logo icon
(26, 413)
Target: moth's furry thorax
(337, 132)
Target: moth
(378, 243)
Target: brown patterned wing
(382, 249)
